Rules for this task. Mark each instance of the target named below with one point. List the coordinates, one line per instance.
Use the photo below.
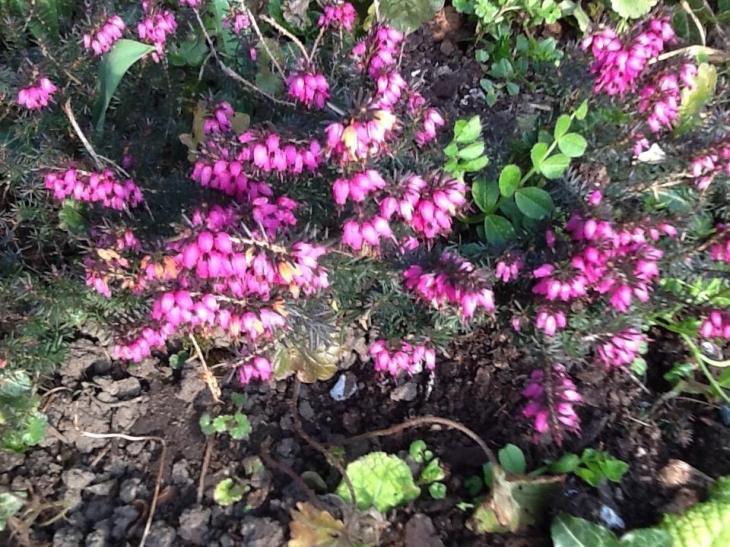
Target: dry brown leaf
(311, 527)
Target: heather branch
(289, 35)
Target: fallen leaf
(311, 527)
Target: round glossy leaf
(572, 145)
(509, 180)
(538, 153)
(534, 203)
(485, 194)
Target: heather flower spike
(37, 96)
(552, 396)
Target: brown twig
(232, 73)
(80, 134)
(289, 35)
(210, 380)
(424, 420)
(204, 469)
(316, 445)
(271, 462)
(158, 480)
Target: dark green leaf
(111, 71)
(512, 459)
(534, 202)
(485, 194)
(437, 490)
(570, 531)
(498, 230)
(408, 15)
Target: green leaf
(509, 180)
(615, 469)
(473, 151)
(720, 490)
(15, 384)
(238, 399)
(632, 9)
(538, 153)
(572, 145)
(554, 166)
(206, 425)
(451, 150)
(35, 429)
(512, 88)
(469, 131)
(694, 99)
(408, 15)
(589, 476)
(437, 490)
(485, 194)
(229, 491)
(570, 531)
(582, 111)
(703, 525)
(474, 165)
(534, 202)
(498, 230)
(379, 480)
(646, 537)
(433, 472)
(417, 451)
(512, 459)
(220, 424)
(10, 503)
(111, 71)
(562, 126)
(685, 26)
(566, 464)
(242, 428)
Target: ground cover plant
(264, 199)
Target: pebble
(194, 525)
(122, 518)
(103, 488)
(128, 491)
(97, 538)
(161, 535)
(67, 537)
(406, 392)
(77, 479)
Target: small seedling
(237, 425)
(230, 490)
(432, 471)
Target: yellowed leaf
(311, 527)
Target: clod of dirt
(194, 524)
(77, 479)
(67, 537)
(420, 532)
(261, 532)
(121, 389)
(161, 535)
(123, 518)
(83, 354)
(407, 392)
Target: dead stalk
(204, 469)
(271, 462)
(289, 35)
(80, 134)
(210, 380)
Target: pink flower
(551, 403)
(622, 349)
(308, 88)
(338, 14)
(402, 356)
(37, 96)
(102, 40)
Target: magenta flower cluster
(155, 28)
(338, 15)
(552, 397)
(102, 40)
(401, 356)
(237, 22)
(705, 167)
(622, 349)
(451, 281)
(617, 65)
(37, 96)
(618, 263)
(716, 325)
(103, 188)
(508, 268)
(661, 98)
(720, 251)
(308, 88)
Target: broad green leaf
(469, 131)
(572, 145)
(111, 71)
(485, 194)
(517, 502)
(408, 15)
(562, 126)
(512, 459)
(437, 490)
(472, 152)
(646, 537)
(538, 153)
(474, 165)
(632, 9)
(70, 218)
(566, 464)
(534, 202)
(554, 166)
(509, 180)
(582, 110)
(498, 230)
(417, 450)
(685, 26)
(451, 150)
(570, 531)
(311, 527)
(379, 480)
(433, 472)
